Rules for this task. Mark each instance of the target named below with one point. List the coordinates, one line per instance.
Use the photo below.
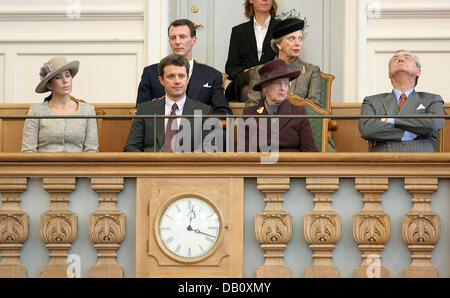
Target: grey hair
(416, 60)
(274, 42)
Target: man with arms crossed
(402, 134)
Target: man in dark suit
(186, 134)
(245, 51)
(293, 134)
(402, 134)
(205, 83)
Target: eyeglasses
(404, 57)
(280, 83)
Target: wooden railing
(113, 133)
(422, 175)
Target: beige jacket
(307, 85)
(60, 135)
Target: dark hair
(48, 97)
(250, 11)
(184, 22)
(51, 93)
(173, 59)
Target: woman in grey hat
(59, 134)
(287, 42)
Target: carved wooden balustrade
(273, 227)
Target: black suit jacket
(142, 137)
(205, 86)
(243, 53)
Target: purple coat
(295, 135)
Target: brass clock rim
(161, 244)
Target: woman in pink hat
(294, 134)
(59, 134)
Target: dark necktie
(170, 133)
(402, 101)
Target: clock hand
(200, 232)
(191, 215)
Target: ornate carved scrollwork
(273, 227)
(107, 227)
(371, 227)
(58, 226)
(322, 227)
(13, 227)
(421, 227)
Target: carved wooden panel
(58, 226)
(154, 194)
(322, 227)
(421, 227)
(107, 227)
(371, 227)
(13, 227)
(273, 227)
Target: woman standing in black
(250, 46)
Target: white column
(354, 47)
(156, 21)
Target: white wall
(422, 27)
(116, 39)
(106, 36)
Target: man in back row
(205, 83)
(402, 134)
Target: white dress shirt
(168, 109)
(260, 35)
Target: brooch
(303, 70)
(260, 110)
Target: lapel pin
(260, 110)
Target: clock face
(189, 227)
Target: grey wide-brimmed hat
(53, 67)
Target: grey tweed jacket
(388, 137)
(60, 135)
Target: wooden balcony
(306, 215)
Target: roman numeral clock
(189, 227)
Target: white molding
(156, 20)
(413, 36)
(64, 40)
(61, 13)
(211, 47)
(326, 36)
(416, 10)
(354, 60)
